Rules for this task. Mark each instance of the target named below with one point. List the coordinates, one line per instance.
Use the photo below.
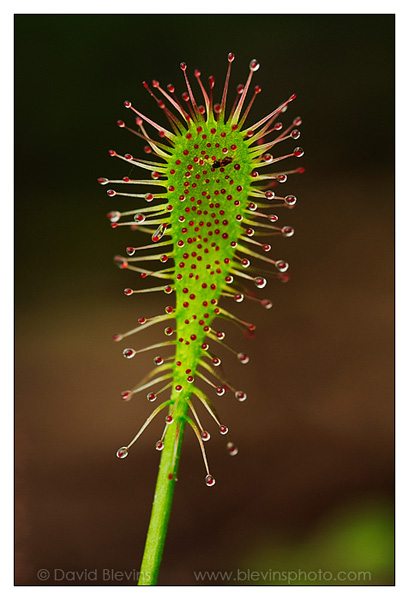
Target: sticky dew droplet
(232, 449)
(287, 231)
(210, 481)
(260, 282)
(122, 452)
(114, 216)
(282, 266)
(290, 200)
(243, 358)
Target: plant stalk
(162, 502)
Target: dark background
(312, 486)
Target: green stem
(162, 502)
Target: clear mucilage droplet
(282, 266)
(287, 231)
(122, 452)
(290, 200)
(260, 282)
(210, 481)
(232, 449)
(114, 216)
(159, 445)
(243, 358)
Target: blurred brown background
(312, 486)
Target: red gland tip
(210, 481)
(183, 66)
(127, 104)
(254, 65)
(230, 57)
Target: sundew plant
(213, 182)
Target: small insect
(222, 163)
